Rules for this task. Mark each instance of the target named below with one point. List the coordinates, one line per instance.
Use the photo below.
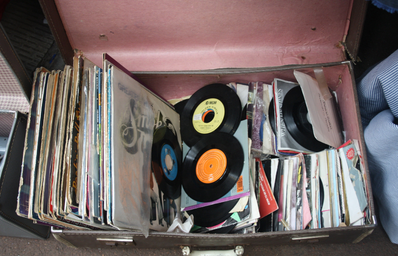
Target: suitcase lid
(196, 35)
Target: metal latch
(238, 251)
(309, 239)
(353, 59)
(114, 241)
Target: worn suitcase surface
(175, 48)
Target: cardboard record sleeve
(208, 52)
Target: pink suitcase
(176, 47)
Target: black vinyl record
(213, 108)
(223, 230)
(321, 198)
(166, 161)
(271, 115)
(244, 113)
(179, 106)
(295, 115)
(213, 215)
(212, 167)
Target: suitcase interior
(12, 138)
(15, 85)
(338, 74)
(176, 48)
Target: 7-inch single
(215, 107)
(166, 162)
(213, 214)
(271, 115)
(212, 167)
(295, 114)
(179, 106)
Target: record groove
(213, 214)
(166, 162)
(271, 115)
(179, 106)
(217, 184)
(295, 115)
(213, 108)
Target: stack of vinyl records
(88, 161)
(215, 180)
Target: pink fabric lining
(338, 77)
(201, 35)
(193, 35)
(12, 96)
(7, 120)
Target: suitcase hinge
(114, 241)
(353, 59)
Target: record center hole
(169, 162)
(208, 116)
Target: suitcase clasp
(115, 241)
(238, 251)
(309, 239)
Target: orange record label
(211, 166)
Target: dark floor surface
(380, 39)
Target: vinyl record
(212, 215)
(212, 167)
(223, 230)
(295, 115)
(179, 106)
(166, 162)
(244, 113)
(321, 198)
(213, 108)
(271, 115)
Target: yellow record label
(208, 116)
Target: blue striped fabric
(377, 90)
(378, 102)
(388, 5)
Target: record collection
(104, 152)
